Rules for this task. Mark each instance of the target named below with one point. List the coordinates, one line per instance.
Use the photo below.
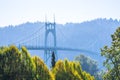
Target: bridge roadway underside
(59, 49)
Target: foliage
(53, 60)
(19, 65)
(42, 72)
(112, 55)
(89, 65)
(13, 64)
(66, 70)
(27, 64)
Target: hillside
(90, 35)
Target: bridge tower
(50, 28)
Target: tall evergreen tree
(53, 60)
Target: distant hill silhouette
(91, 35)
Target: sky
(14, 12)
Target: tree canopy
(66, 70)
(19, 65)
(89, 65)
(112, 55)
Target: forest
(18, 64)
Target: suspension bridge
(32, 42)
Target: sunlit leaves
(42, 72)
(19, 65)
(67, 70)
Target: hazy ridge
(90, 35)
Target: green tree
(19, 65)
(112, 55)
(89, 65)
(66, 70)
(14, 66)
(53, 60)
(42, 72)
(27, 64)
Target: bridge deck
(58, 49)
